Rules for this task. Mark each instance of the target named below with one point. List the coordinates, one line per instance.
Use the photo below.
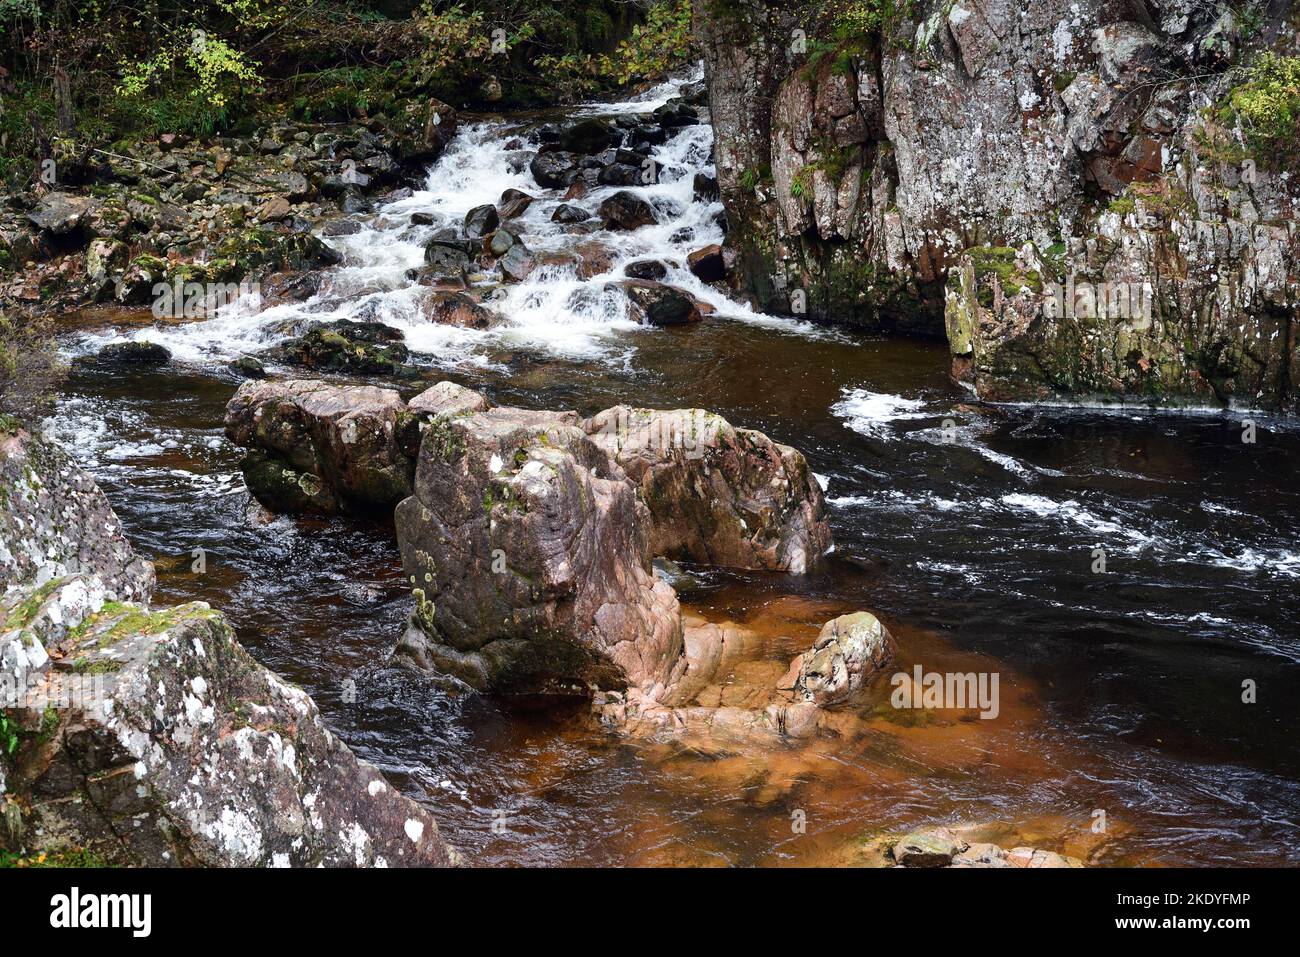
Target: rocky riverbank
(938, 170)
(148, 736)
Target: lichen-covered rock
(717, 494)
(1186, 296)
(529, 560)
(856, 181)
(337, 446)
(849, 650)
(48, 510)
(150, 737)
(169, 745)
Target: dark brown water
(972, 532)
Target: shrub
(1268, 106)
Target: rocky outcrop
(849, 650)
(527, 553)
(716, 494)
(861, 158)
(48, 508)
(527, 536)
(150, 737)
(320, 448)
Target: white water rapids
(553, 311)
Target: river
(975, 532)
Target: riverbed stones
(528, 557)
(128, 356)
(587, 137)
(717, 494)
(338, 445)
(569, 213)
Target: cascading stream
(970, 530)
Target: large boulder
(61, 213)
(528, 555)
(717, 494)
(150, 737)
(625, 210)
(321, 447)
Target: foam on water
(553, 311)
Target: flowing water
(974, 532)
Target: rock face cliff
(964, 167)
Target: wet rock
(336, 447)
(422, 219)
(527, 554)
(849, 650)
(658, 304)
(619, 174)
(128, 356)
(717, 494)
(705, 188)
(933, 847)
(457, 309)
(481, 220)
(555, 170)
(707, 263)
(625, 210)
(365, 348)
(517, 264)
(587, 137)
(651, 269)
(569, 213)
(513, 202)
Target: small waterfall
(554, 311)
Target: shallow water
(971, 530)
